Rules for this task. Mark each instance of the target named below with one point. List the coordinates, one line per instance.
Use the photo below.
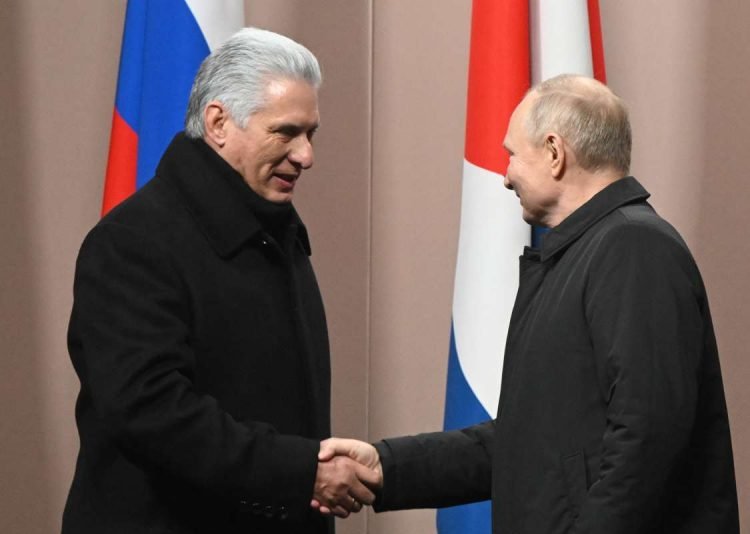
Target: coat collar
(205, 182)
(617, 194)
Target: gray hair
(238, 72)
(588, 115)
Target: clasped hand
(348, 471)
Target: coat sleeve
(644, 307)
(129, 339)
(436, 469)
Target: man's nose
(506, 182)
(302, 152)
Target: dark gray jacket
(612, 418)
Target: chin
(280, 198)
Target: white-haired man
(198, 331)
(612, 418)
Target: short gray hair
(588, 115)
(238, 72)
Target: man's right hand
(359, 451)
(342, 485)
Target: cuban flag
(514, 44)
(163, 44)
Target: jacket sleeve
(130, 340)
(644, 307)
(436, 469)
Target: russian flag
(163, 44)
(514, 44)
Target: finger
(325, 510)
(333, 447)
(356, 506)
(361, 493)
(340, 511)
(315, 504)
(327, 449)
(370, 477)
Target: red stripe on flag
(499, 75)
(597, 46)
(119, 183)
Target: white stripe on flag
(218, 19)
(560, 41)
(491, 239)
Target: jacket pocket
(574, 474)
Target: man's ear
(216, 118)
(555, 147)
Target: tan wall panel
(60, 62)
(419, 98)
(723, 248)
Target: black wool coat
(612, 418)
(200, 342)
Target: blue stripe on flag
(462, 409)
(162, 48)
(129, 80)
(174, 49)
(474, 518)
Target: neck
(579, 187)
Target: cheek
(273, 154)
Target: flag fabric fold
(163, 45)
(514, 44)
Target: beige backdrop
(382, 203)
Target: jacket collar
(204, 181)
(617, 194)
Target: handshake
(348, 472)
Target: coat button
(283, 513)
(269, 512)
(256, 508)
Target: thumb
(330, 448)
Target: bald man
(612, 416)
